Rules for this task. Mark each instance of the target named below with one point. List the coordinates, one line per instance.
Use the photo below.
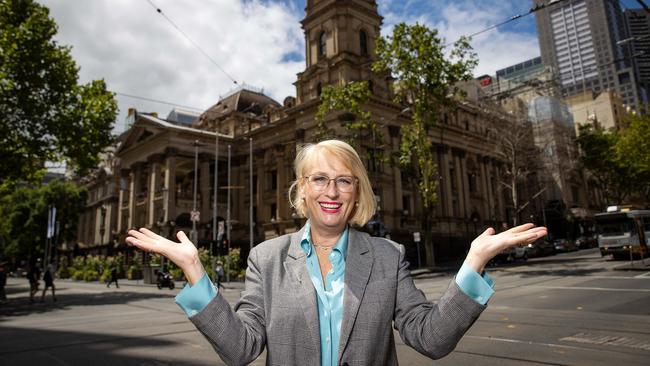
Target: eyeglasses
(344, 184)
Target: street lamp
(215, 190)
(194, 211)
(228, 218)
(250, 180)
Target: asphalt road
(568, 309)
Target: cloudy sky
(257, 42)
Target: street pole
(216, 192)
(228, 221)
(196, 171)
(250, 180)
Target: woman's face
(330, 203)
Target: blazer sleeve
(238, 335)
(432, 329)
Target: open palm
(183, 254)
(487, 245)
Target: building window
(274, 179)
(471, 178)
(406, 205)
(274, 209)
(319, 89)
(363, 43)
(322, 45)
(452, 178)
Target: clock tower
(339, 47)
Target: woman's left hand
(489, 244)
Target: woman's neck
(325, 237)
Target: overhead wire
(159, 11)
(511, 19)
(156, 101)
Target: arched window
(322, 45)
(363, 43)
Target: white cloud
(138, 52)
(496, 48)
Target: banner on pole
(51, 220)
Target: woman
(330, 294)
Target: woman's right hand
(183, 254)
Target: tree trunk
(427, 244)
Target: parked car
(564, 245)
(585, 242)
(540, 248)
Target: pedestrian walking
(113, 277)
(218, 274)
(330, 294)
(33, 276)
(3, 283)
(48, 279)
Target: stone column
(123, 191)
(459, 183)
(499, 197)
(135, 174)
(446, 182)
(280, 198)
(485, 215)
(204, 186)
(260, 186)
(153, 188)
(169, 199)
(465, 184)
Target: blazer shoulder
(272, 248)
(382, 245)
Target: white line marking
(529, 342)
(592, 288)
(642, 276)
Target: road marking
(608, 340)
(643, 275)
(507, 340)
(637, 277)
(592, 288)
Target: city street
(568, 309)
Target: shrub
(134, 272)
(77, 274)
(90, 276)
(177, 274)
(64, 272)
(105, 276)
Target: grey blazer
(278, 310)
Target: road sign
(416, 236)
(195, 216)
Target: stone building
(159, 158)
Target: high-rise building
(580, 39)
(638, 23)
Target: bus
(623, 232)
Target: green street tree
(25, 211)
(46, 114)
(612, 176)
(633, 151)
(426, 75)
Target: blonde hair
(366, 206)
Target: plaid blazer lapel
(296, 266)
(358, 266)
